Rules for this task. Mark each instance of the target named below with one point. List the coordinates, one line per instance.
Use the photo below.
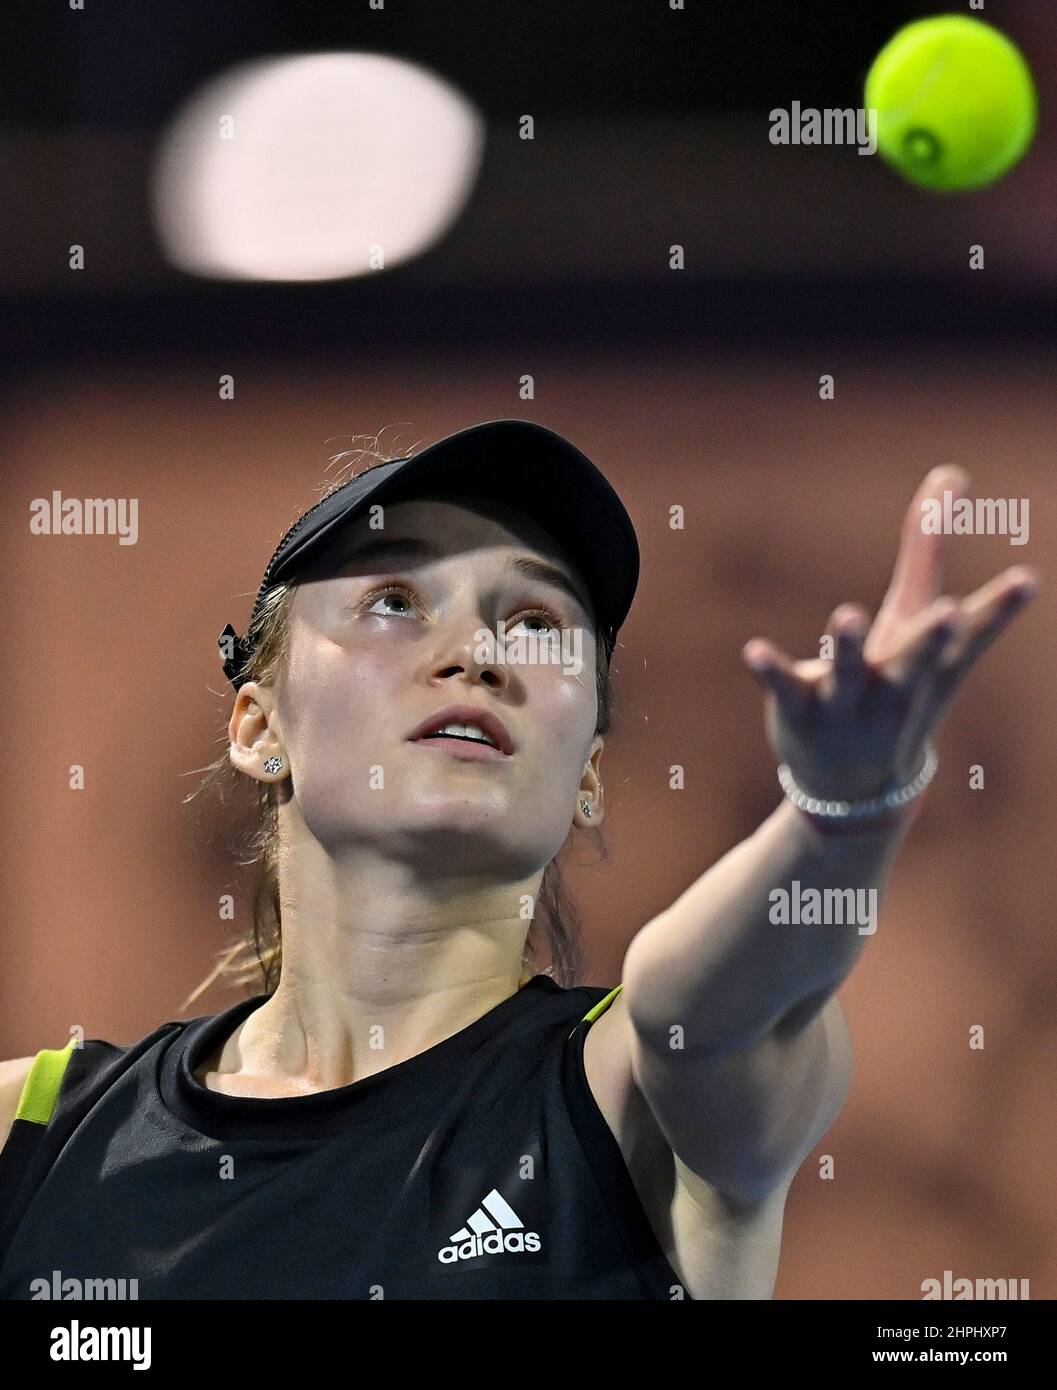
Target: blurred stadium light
(314, 167)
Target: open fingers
(949, 638)
(988, 611)
(914, 673)
(917, 577)
(925, 638)
(991, 600)
(775, 672)
(848, 625)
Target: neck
(379, 964)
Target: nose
(468, 645)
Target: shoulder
(13, 1076)
(30, 1087)
(34, 1088)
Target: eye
(403, 591)
(406, 592)
(543, 615)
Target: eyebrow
(415, 548)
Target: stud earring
(585, 808)
(274, 764)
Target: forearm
(722, 963)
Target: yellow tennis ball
(955, 102)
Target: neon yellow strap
(41, 1090)
(602, 1005)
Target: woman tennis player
(411, 1106)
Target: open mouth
(462, 746)
(467, 727)
(464, 738)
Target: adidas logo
(494, 1227)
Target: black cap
(517, 462)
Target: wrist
(888, 812)
(837, 827)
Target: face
(382, 641)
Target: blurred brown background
(699, 391)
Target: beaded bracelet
(870, 814)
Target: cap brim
(516, 462)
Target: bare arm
(761, 1062)
(739, 974)
(729, 1027)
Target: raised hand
(850, 726)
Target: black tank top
(480, 1168)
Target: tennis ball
(955, 102)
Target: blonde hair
(251, 819)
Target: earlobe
(590, 798)
(251, 761)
